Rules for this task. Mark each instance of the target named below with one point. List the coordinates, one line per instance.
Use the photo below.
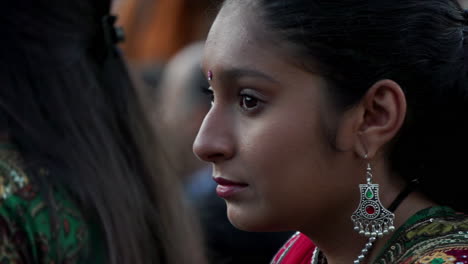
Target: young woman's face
(265, 132)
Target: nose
(215, 142)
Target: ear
(382, 113)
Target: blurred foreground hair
(67, 103)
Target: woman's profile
(342, 120)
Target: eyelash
(250, 98)
(208, 92)
(242, 103)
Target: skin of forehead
(248, 31)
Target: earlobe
(384, 111)
(361, 146)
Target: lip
(227, 188)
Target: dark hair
(67, 103)
(419, 44)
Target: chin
(250, 221)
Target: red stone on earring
(370, 209)
(210, 75)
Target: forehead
(237, 38)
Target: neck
(414, 203)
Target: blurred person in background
(179, 106)
(463, 3)
(80, 176)
(182, 105)
(158, 29)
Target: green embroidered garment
(38, 230)
(435, 235)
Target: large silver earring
(371, 218)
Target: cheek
(286, 156)
(282, 142)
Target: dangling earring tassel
(371, 218)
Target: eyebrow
(236, 73)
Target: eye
(248, 102)
(209, 93)
(251, 101)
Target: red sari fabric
(297, 250)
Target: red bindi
(210, 75)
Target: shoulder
(297, 250)
(19, 197)
(12, 177)
(37, 227)
(439, 235)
